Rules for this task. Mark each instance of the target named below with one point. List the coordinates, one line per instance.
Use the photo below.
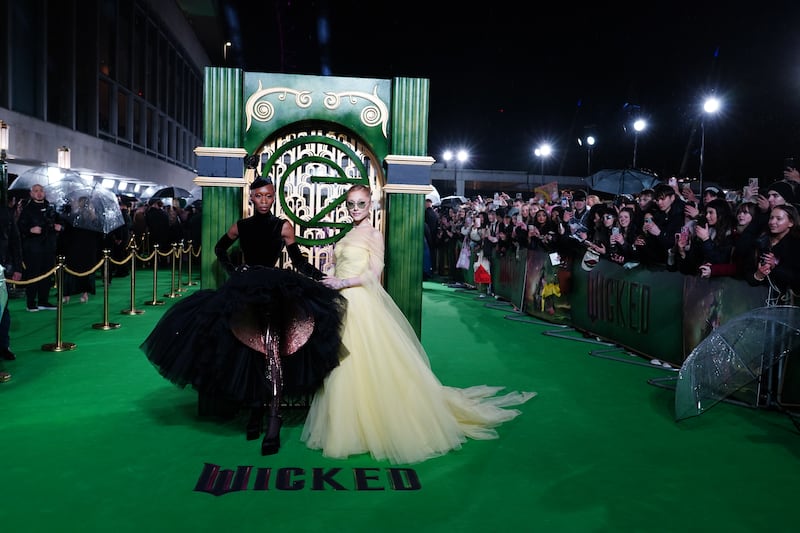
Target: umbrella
(165, 192)
(46, 176)
(453, 201)
(434, 197)
(734, 356)
(621, 181)
(89, 207)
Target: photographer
(39, 227)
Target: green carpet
(93, 439)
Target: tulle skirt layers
(195, 343)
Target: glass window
(104, 106)
(105, 37)
(122, 114)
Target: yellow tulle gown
(383, 398)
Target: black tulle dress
(198, 341)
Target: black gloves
(221, 251)
(301, 264)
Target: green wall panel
(404, 248)
(222, 206)
(410, 109)
(222, 101)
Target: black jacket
(10, 243)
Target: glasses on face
(361, 204)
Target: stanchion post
(59, 346)
(172, 292)
(155, 300)
(133, 310)
(190, 282)
(180, 252)
(105, 324)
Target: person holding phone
(600, 241)
(791, 173)
(623, 240)
(662, 225)
(712, 241)
(776, 258)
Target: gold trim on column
(210, 151)
(206, 181)
(409, 160)
(399, 188)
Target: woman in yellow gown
(383, 398)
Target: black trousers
(38, 260)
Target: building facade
(117, 82)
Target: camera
(648, 220)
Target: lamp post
(543, 151)
(710, 106)
(589, 142)
(4, 132)
(460, 158)
(225, 50)
(638, 126)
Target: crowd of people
(750, 234)
(34, 233)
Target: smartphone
(564, 202)
(753, 182)
(615, 231)
(648, 220)
(673, 181)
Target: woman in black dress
(266, 334)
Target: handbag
(463, 257)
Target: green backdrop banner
(653, 312)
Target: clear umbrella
(47, 176)
(735, 355)
(93, 208)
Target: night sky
(504, 80)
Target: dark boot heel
(272, 440)
(256, 424)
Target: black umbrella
(166, 192)
(621, 181)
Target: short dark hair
(662, 190)
(260, 182)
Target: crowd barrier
(648, 311)
(176, 255)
